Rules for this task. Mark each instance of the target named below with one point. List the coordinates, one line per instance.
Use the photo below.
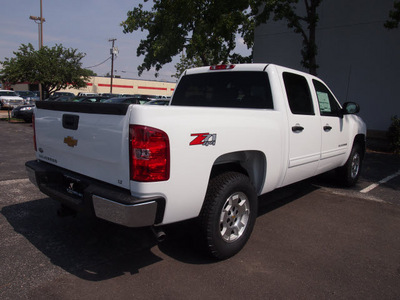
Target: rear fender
(251, 163)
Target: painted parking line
(14, 181)
(384, 180)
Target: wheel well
(360, 140)
(250, 163)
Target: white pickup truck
(230, 134)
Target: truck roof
(257, 67)
(230, 67)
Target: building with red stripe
(101, 85)
(127, 86)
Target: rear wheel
(228, 214)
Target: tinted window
(328, 106)
(224, 89)
(122, 100)
(130, 100)
(8, 93)
(26, 93)
(298, 93)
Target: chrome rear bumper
(137, 215)
(84, 194)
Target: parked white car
(10, 99)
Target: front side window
(328, 105)
(224, 89)
(298, 94)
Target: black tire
(350, 172)
(228, 214)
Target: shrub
(394, 134)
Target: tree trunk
(312, 46)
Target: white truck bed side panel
(235, 130)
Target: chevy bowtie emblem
(70, 141)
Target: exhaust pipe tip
(159, 234)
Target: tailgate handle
(70, 121)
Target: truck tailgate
(88, 138)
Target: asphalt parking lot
(312, 240)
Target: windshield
(158, 102)
(7, 93)
(131, 100)
(26, 93)
(62, 94)
(224, 89)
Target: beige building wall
(126, 86)
(100, 85)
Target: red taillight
(149, 154)
(34, 132)
(222, 67)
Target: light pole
(113, 51)
(39, 21)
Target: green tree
(394, 134)
(207, 29)
(394, 16)
(305, 24)
(55, 68)
(186, 63)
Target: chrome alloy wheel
(355, 165)
(234, 217)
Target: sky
(86, 25)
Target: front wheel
(350, 172)
(228, 214)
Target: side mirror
(350, 108)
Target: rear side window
(224, 89)
(298, 93)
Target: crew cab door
(304, 129)
(334, 127)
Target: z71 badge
(205, 139)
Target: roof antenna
(348, 84)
